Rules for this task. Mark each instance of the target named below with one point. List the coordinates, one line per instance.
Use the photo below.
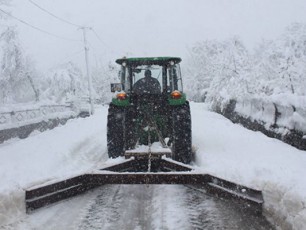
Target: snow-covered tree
(102, 77)
(291, 53)
(65, 82)
(201, 67)
(227, 70)
(219, 69)
(265, 68)
(33, 77)
(16, 78)
(233, 78)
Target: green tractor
(148, 119)
(149, 107)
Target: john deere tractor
(149, 106)
(149, 120)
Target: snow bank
(285, 111)
(250, 158)
(56, 154)
(285, 122)
(26, 114)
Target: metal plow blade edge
(163, 171)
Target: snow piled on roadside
(250, 158)
(55, 154)
(284, 111)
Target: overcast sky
(146, 27)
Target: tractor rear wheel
(115, 131)
(181, 133)
(130, 126)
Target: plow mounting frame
(134, 171)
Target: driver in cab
(147, 84)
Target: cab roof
(148, 60)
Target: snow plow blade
(164, 171)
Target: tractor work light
(176, 94)
(121, 96)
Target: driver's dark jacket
(148, 85)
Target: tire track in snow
(136, 207)
(206, 212)
(103, 210)
(118, 207)
(166, 207)
(202, 211)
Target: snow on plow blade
(163, 172)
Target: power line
(99, 38)
(53, 15)
(70, 23)
(36, 28)
(64, 20)
(95, 33)
(71, 55)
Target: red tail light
(176, 94)
(121, 96)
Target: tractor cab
(165, 70)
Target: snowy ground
(224, 149)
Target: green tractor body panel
(123, 103)
(171, 101)
(179, 101)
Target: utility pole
(92, 110)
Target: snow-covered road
(223, 149)
(144, 207)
